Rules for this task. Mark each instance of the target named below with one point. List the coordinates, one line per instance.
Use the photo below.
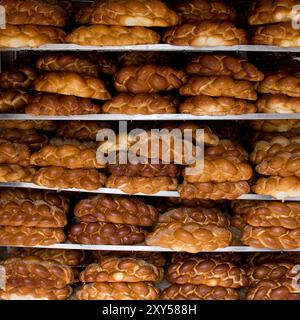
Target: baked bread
(68, 156)
(71, 83)
(278, 34)
(213, 190)
(278, 103)
(142, 103)
(272, 237)
(14, 153)
(223, 65)
(136, 58)
(19, 78)
(29, 36)
(62, 178)
(204, 105)
(61, 141)
(73, 258)
(258, 258)
(27, 293)
(198, 292)
(107, 63)
(149, 78)
(278, 187)
(219, 86)
(24, 236)
(275, 125)
(273, 290)
(81, 130)
(132, 185)
(118, 291)
(211, 272)
(28, 124)
(33, 272)
(13, 100)
(105, 233)
(102, 35)
(30, 213)
(16, 173)
(189, 237)
(113, 269)
(54, 104)
(133, 13)
(121, 210)
(205, 33)
(36, 12)
(68, 62)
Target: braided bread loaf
(227, 149)
(68, 156)
(71, 83)
(105, 233)
(190, 237)
(275, 125)
(13, 100)
(29, 36)
(223, 65)
(107, 64)
(20, 78)
(132, 185)
(118, 291)
(113, 269)
(27, 293)
(35, 12)
(136, 58)
(102, 35)
(68, 62)
(273, 237)
(143, 103)
(133, 13)
(219, 86)
(278, 103)
(28, 124)
(273, 290)
(33, 272)
(278, 187)
(257, 259)
(16, 173)
(116, 210)
(59, 177)
(205, 33)
(24, 236)
(14, 153)
(204, 105)
(198, 292)
(279, 34)
(232, 257)
(149, 78)
(213, 190)
(211, 272)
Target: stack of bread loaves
(31, 218)
(277, 23)
(203, 278)
(40, 274)
(121, 22)
(33, 23)
(111, 220)
(205, 23)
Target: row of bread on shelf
(32, 23)
(52, 274)
(31, 218)
(211, 84)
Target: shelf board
(173, 194)
(157, 117)
(156, 47)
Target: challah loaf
(13, 100)
(278, 103)
(14, 153)
(16, 173)
(28, 124)
(275, 125)
(19, 78)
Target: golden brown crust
(122, 210)
(19, 78)
(278, 103)
(14, 153)
(62, 178)
(28, 124)
(275, 125)
(205, 33)
(71, 83)
(118, 291)
(13, 100)
(105, 233)
(101, 35)
(54, 104)
(149, 78)
(132, 185)
(23, 236)
(16, 173)
(257, 259)
(29, 36)
(219, 86)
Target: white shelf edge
(155, 47)
(159, 117)
(173, 194)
